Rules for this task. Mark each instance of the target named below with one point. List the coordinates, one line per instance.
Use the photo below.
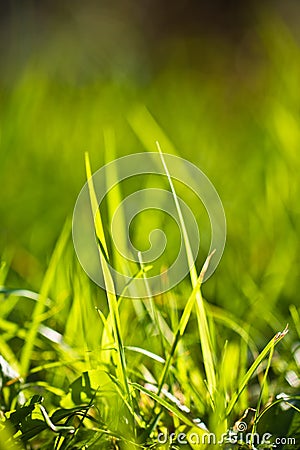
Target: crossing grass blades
(186, 379)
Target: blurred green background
(221, 79)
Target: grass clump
(185, 377)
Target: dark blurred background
(82, 40)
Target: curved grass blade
(277, 338)
(205, 337)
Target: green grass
(101, 371)
(99, 390)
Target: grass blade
(42, 301)
(262, 392)
(145, 127)
(277, 338)
(183, 323)
(110, 290)
(205, 338)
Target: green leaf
(79, 386)
(22, 412)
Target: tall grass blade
(110, 289)
(42, 301)
(95, 209)
(205, 338)
(114, 196)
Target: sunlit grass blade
(277, 338)
(95, 209)
(147, 353)
(263, 393)
(26, 293)
(145, 127)
(183, 323)
(205, 338)
(4, 267)
(107, 339)
(42, 300)
(296, 318)
(109, 284)
(150, 299)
